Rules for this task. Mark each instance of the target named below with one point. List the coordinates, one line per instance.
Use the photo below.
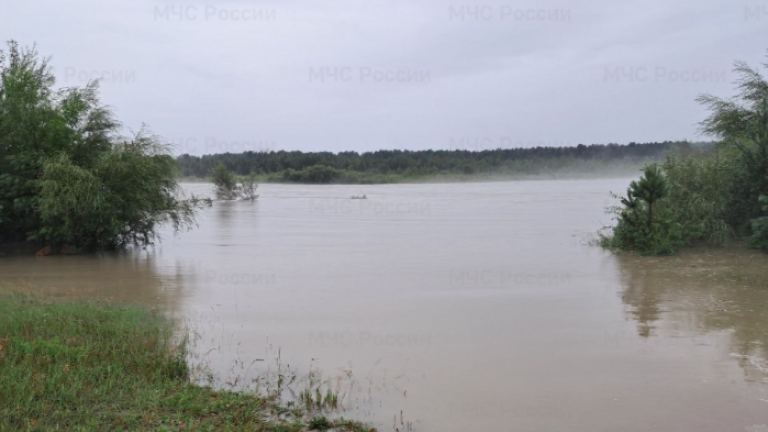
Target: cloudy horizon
(214, 77)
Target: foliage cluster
(66, 175)
(229, 186)
(711, 195)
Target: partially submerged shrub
(225, 183)
(248, 187)
(228, 186)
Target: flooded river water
(453, 307)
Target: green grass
(91, 367)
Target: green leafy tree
(741, 123)
(67, 177)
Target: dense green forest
(398, 165)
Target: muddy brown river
(451, 308)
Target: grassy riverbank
(90, 367)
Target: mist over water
(476, 306)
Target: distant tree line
(327, 167)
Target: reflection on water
(719, 290)
(461, 306)
(129, 277)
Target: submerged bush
(228, 186)
(224, 183)
(248, 187)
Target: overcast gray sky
(363, 75)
